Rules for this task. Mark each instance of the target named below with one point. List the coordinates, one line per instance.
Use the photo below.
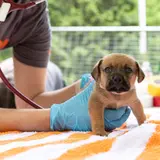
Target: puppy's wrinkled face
(117, 73)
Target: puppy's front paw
(141, 120)
(101, 133)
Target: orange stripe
(72, 138)
(88, 150)
(152, 150)
(154, 121)
(3, 43)
(35, 136)
(9, 132)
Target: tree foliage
(93, 12)
(76, 52)
(101, 12)
(153, 13)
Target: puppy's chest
(116, 102)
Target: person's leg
(24, 119)
(54, 81)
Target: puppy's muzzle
(117, 79)
(118, 84)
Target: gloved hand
(73, 114)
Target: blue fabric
(73, 114)
(85, 79)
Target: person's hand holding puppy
(73, 114)
(115, 76)
(97, 105)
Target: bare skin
(25, 119)
(31, 82)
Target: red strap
(1, 1)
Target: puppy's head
(117, 73)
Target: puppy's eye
(108, 70)
(128, 70)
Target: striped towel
(129, 142)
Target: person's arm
(61, 116)
(25, 120)
(31, 82)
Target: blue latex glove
(73, 114)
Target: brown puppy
(115, 76)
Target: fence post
(142, 24)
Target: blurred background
(85, 30)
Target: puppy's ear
(140, 73)
(96, 70)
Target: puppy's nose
(117, 79)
